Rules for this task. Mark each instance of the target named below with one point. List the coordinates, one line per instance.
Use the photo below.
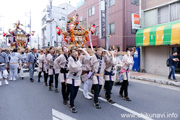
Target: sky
(13, 10)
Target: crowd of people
(71, 67)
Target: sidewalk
(155, 78)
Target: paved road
(22, 100)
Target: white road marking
(156, 84)
(60, 116)
(54, 118)
(123, 108)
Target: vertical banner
(103, 24)
(102, 19)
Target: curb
(165, 82)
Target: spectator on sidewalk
(173, 64)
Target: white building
(35, 42)
(59, 17)
(1, 32)
(3, 41)
(1, 35)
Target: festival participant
(31, 60)
(56, 69)
(46, 52)
(86, 69)
(14, 58)
(127, 63)
(3, 67)
(98, 62)
(51, 71)
(61, 63)
(73, 77)
(41, 66)
(110, 74)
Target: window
(63, 18)
(111, 2)
(163, 14)
(175, 11)
(135, 2)
(112, 28)
(91, 11)
(150, 18)
(96, 32)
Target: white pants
(3, 74)
(14, 71)
(87, 86)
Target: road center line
(54, 118)
(123, 108)
(60, 116)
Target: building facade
(1, 31)
(59, 18)
(160, 34)
(1, 34)
(3, 41)
(119, 20)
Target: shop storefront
(156, 44)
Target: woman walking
(127, 63)
(98, 63)
(73, 79)
(61, 63)
(41, 66)
(51, 71)
(110, 74)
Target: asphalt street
(23, 100)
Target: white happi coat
(74, 73)
(50, 64)
(98, 78)
(86, 67)
(60, 63)
(127, 64)
(42, 63)
(110, 70)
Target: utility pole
(50, 11)
(30, 28)
(140, 10)
(56, 37)
(38, 41)
(107, 24)
(125, 22)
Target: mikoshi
(76, 35)
(18, 38)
